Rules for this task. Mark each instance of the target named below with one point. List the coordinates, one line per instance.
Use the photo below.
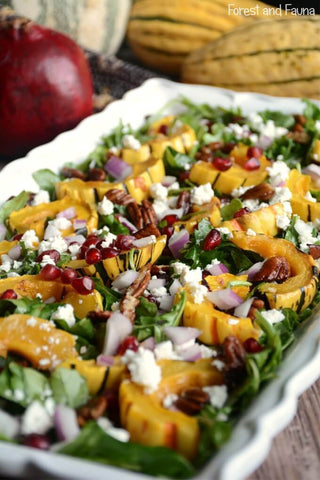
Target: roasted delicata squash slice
(214, 324)
(298, 291)
(35, 339)
(35, 217)
(263, 220)
(210, 210)
(301, 202)
(150, 423)
(81, 191)
(32, 286)
(5, 246)
(144, 175)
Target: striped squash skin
(162, 33)
(277, 57)
(97, 25)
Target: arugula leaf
(291, 233)
(34, 307)
(94, 444)
(114, 225)
(294, 154)
(69, 387)
(110, 296)
(214, 114)
(230, 209)
(82, 328)
(175, 162)
(279, 118)
(16, 203)
(311, 110)
(46, 179)
(151, 324)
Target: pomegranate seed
(184, 176)
(18, 236)
(109, 252)
(91, 240)
(255, 152)
(242, 211)
(129, 343)
(164, 129)
(222, 164)
(170, 219)
(68, 275)
(54, 254)
(252, 346)
(212, 240)
(83, 285)
(50, 272)
(124, 242)
(9, 295)
(93, 255)
(168, 230)
(252, 164)
(36, 440)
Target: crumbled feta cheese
(30, 239)
(252, 204)
(35, 419)
(207, 352)
(283, 221)
(47, 260)
(107, 240)
(219, 364)
(44, 362)
(202, 194)
(306, 234)
(114, 150)
(198, 292)
(66, 313)
(238, 192)
(117, 433)
(169, 400)
(54, 243)
(165, 350)
(268, 129)
(160, 208)
(74, 250)
(224, 231)
(105, 207)
(272, 316)
(186, 274)
(218, 395)
(6, 263)
(159, 192)
(50, 405)
(115, 306)
(278, 173)
(143, 368)
(281, 195)
(158, 291)
(32, 322)
(41, 197)
(129, 141)
(18, 394)
(83, 350)
(240, 131)
(251, 232)
(60, 223)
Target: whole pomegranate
(45, 84)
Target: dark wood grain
(295, 452)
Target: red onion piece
(105, 360)
(117, 329)
(80, 239)
(125, 222)
(181, 335)
(166, 302)
(217, 269)
(224, 299)
(50, 300)
(175, 286)
(156, 283)
(15, 252)
(9, 425)
(148, 343)
(168, 180)
(177, 241)
(66, 423)
(173, 211)
(191, 354)
(264, 141)
(313, 171)
(117, 168)
(79, 223)
(252, 164)
(67, 213)
(124, 280)
(243, 309)
(143, 242)
(255, 268)
(3, 232)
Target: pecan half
(148, 213)
(73, 173)
(257, 304)
(299, 137)
(115, 195)
(94, 409)
(300, 119)
(149, 229)
(235, 356)
(130, 300)
(314, 251)
(184, 201)
(192, 400)
(274, 269)
(96, 174)
(262, 192)
(98, 316)
(135, 214)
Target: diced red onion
(191, 354)
(66, 423)
(243, 309)
(117, 168)
(125, 279)
(125, 222)
(252, 163)
(175, 286)
(80, 239)
(148, 343)
(177, 241)
(264, 141)
(173, 211)
(15, 252)
(217, 269)
(9, 425)
(166, 302)
(79, 223)
(181, 335)
(156, 283)
(168, 180)
(313, 171)
(3, 232)
(143, 242)
(117, 329)
(224, 299)
(255, 268)
(67, 213)
(105, 360)
(50, 300)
